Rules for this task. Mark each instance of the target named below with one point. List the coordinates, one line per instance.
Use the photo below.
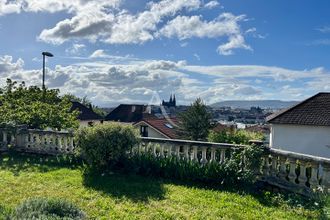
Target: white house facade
(156, 128)
(313, 140)
(303, 128)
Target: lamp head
(47, 54)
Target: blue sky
(121, 51)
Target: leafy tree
(196, 121)
(35, 107)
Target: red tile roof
(313, 111)
(163, 125)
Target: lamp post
(44, 54)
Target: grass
(120, 196)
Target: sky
(124, 51)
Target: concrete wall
(313, 140)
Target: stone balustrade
(292, 171)
(204, 152)
(39, 141)
(296, 172)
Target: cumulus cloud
(184, 27)
(107, 21)
(8, 66)
(107, 83)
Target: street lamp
(44, 54)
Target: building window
(144, 131)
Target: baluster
(71, 144)
(65, 142)
(186, 152)
(162, 150)
(326, 177)
(26, 140)
(38, 144)
(45, 140)
(168, 150)
(313, 181)
(34, 141)
(213, 151)
(273, 170)
(154, 150)
(222, 155)
(265, 166)
(140, 146)
(59, 143)
(50, 142)
(302, 176)
(5, 139)
(204, 160)
(194, 154)
(148, 148)
(177, 151)
(292, 170)
(282, 174)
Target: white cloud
(184, 27)
(7, 65)
(99, 54)
(75, 49)
(108, 83)
(211, 4)
(106, 21)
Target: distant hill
(264, 104)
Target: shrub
(229, 173)
(50, 209)
(234, 136)
(104, 145)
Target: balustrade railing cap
(198, 143)
(299, 156)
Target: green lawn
(119, 196)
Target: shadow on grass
(17, 162)
(130, 186)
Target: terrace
(38, 163)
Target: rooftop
(312, 111)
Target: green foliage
(34, 107)
(105, 144)
(196, 121)
(238, 136)
(231, 172)
(51, 209)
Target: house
(157, 127)
(128, 113)
(86, 117)
(303, 128)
